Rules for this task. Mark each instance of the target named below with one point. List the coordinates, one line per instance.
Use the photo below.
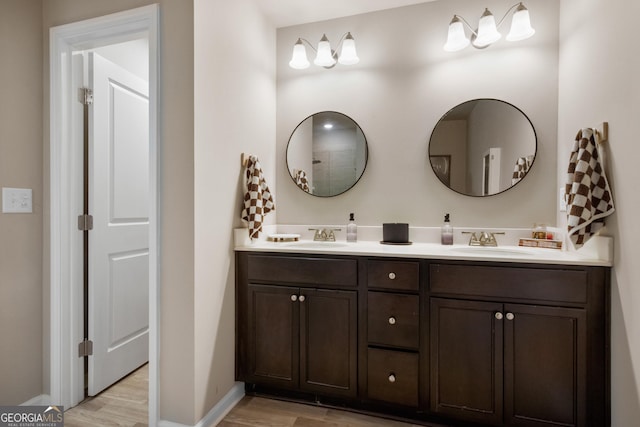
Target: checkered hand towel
(523, 164)
(301, 180)
(258, 200)
(587, 192)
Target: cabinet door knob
(392, 275)
(510, 316)
(392, 378)
(294, 298)
(302, 298)
(499, 315)
(392, 320)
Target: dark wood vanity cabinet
(454, 342)
(490, 360)
(298, 337)
(392, 332)
(505, 354)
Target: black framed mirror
(482, 147)
(327, 154)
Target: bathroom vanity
(418, 334)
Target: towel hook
(603, 132)
(243, 159)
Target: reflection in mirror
(326, 154)
(482, 147)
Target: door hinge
(85, 222)
(85, 96)
(85, 348)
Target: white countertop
(597, 253)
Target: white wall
(402, 86)
(234, 113)
(598, 80)
(21, 130)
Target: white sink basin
(492, 251)
(316, 245)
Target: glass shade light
(299, 59)
(487, 31)
(348, 55)
(520, 25)
(456, 40)
(324, 58)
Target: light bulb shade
(456, 40)
(487, 31)
(299, 59)
(348, 55)
(520, 25)
(324, 58)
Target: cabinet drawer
(510, 282)
(400, 275)
(301, 271)
(393, 376)
(393, 319)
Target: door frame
(66, 374)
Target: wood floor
(260, 412)
(125, 404)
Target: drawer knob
(392, 320)
(392, 378)
(392, 275)
(499, 315)
(294, 298)
(302, 298)
(510, 316)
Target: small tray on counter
(540, 243)
(282, 237)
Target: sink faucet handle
(319, 235)
(473, 240)
(492, 237)
(489, 238)
(332, 236)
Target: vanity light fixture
(325, 56)
(487, 31)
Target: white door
(491, 171)
(119, 241)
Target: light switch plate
(562, 203)
(17, 200)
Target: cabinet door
(466, 359)
(273, 313)
(545, 366)
(328, 342)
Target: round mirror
(482, 147)
(327, 154)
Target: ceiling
(284, 13)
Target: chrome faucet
(485, 239)
(324, 234)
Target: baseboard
(43, 399)
(218, 412)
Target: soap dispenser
(447, 232)
(352, 229)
